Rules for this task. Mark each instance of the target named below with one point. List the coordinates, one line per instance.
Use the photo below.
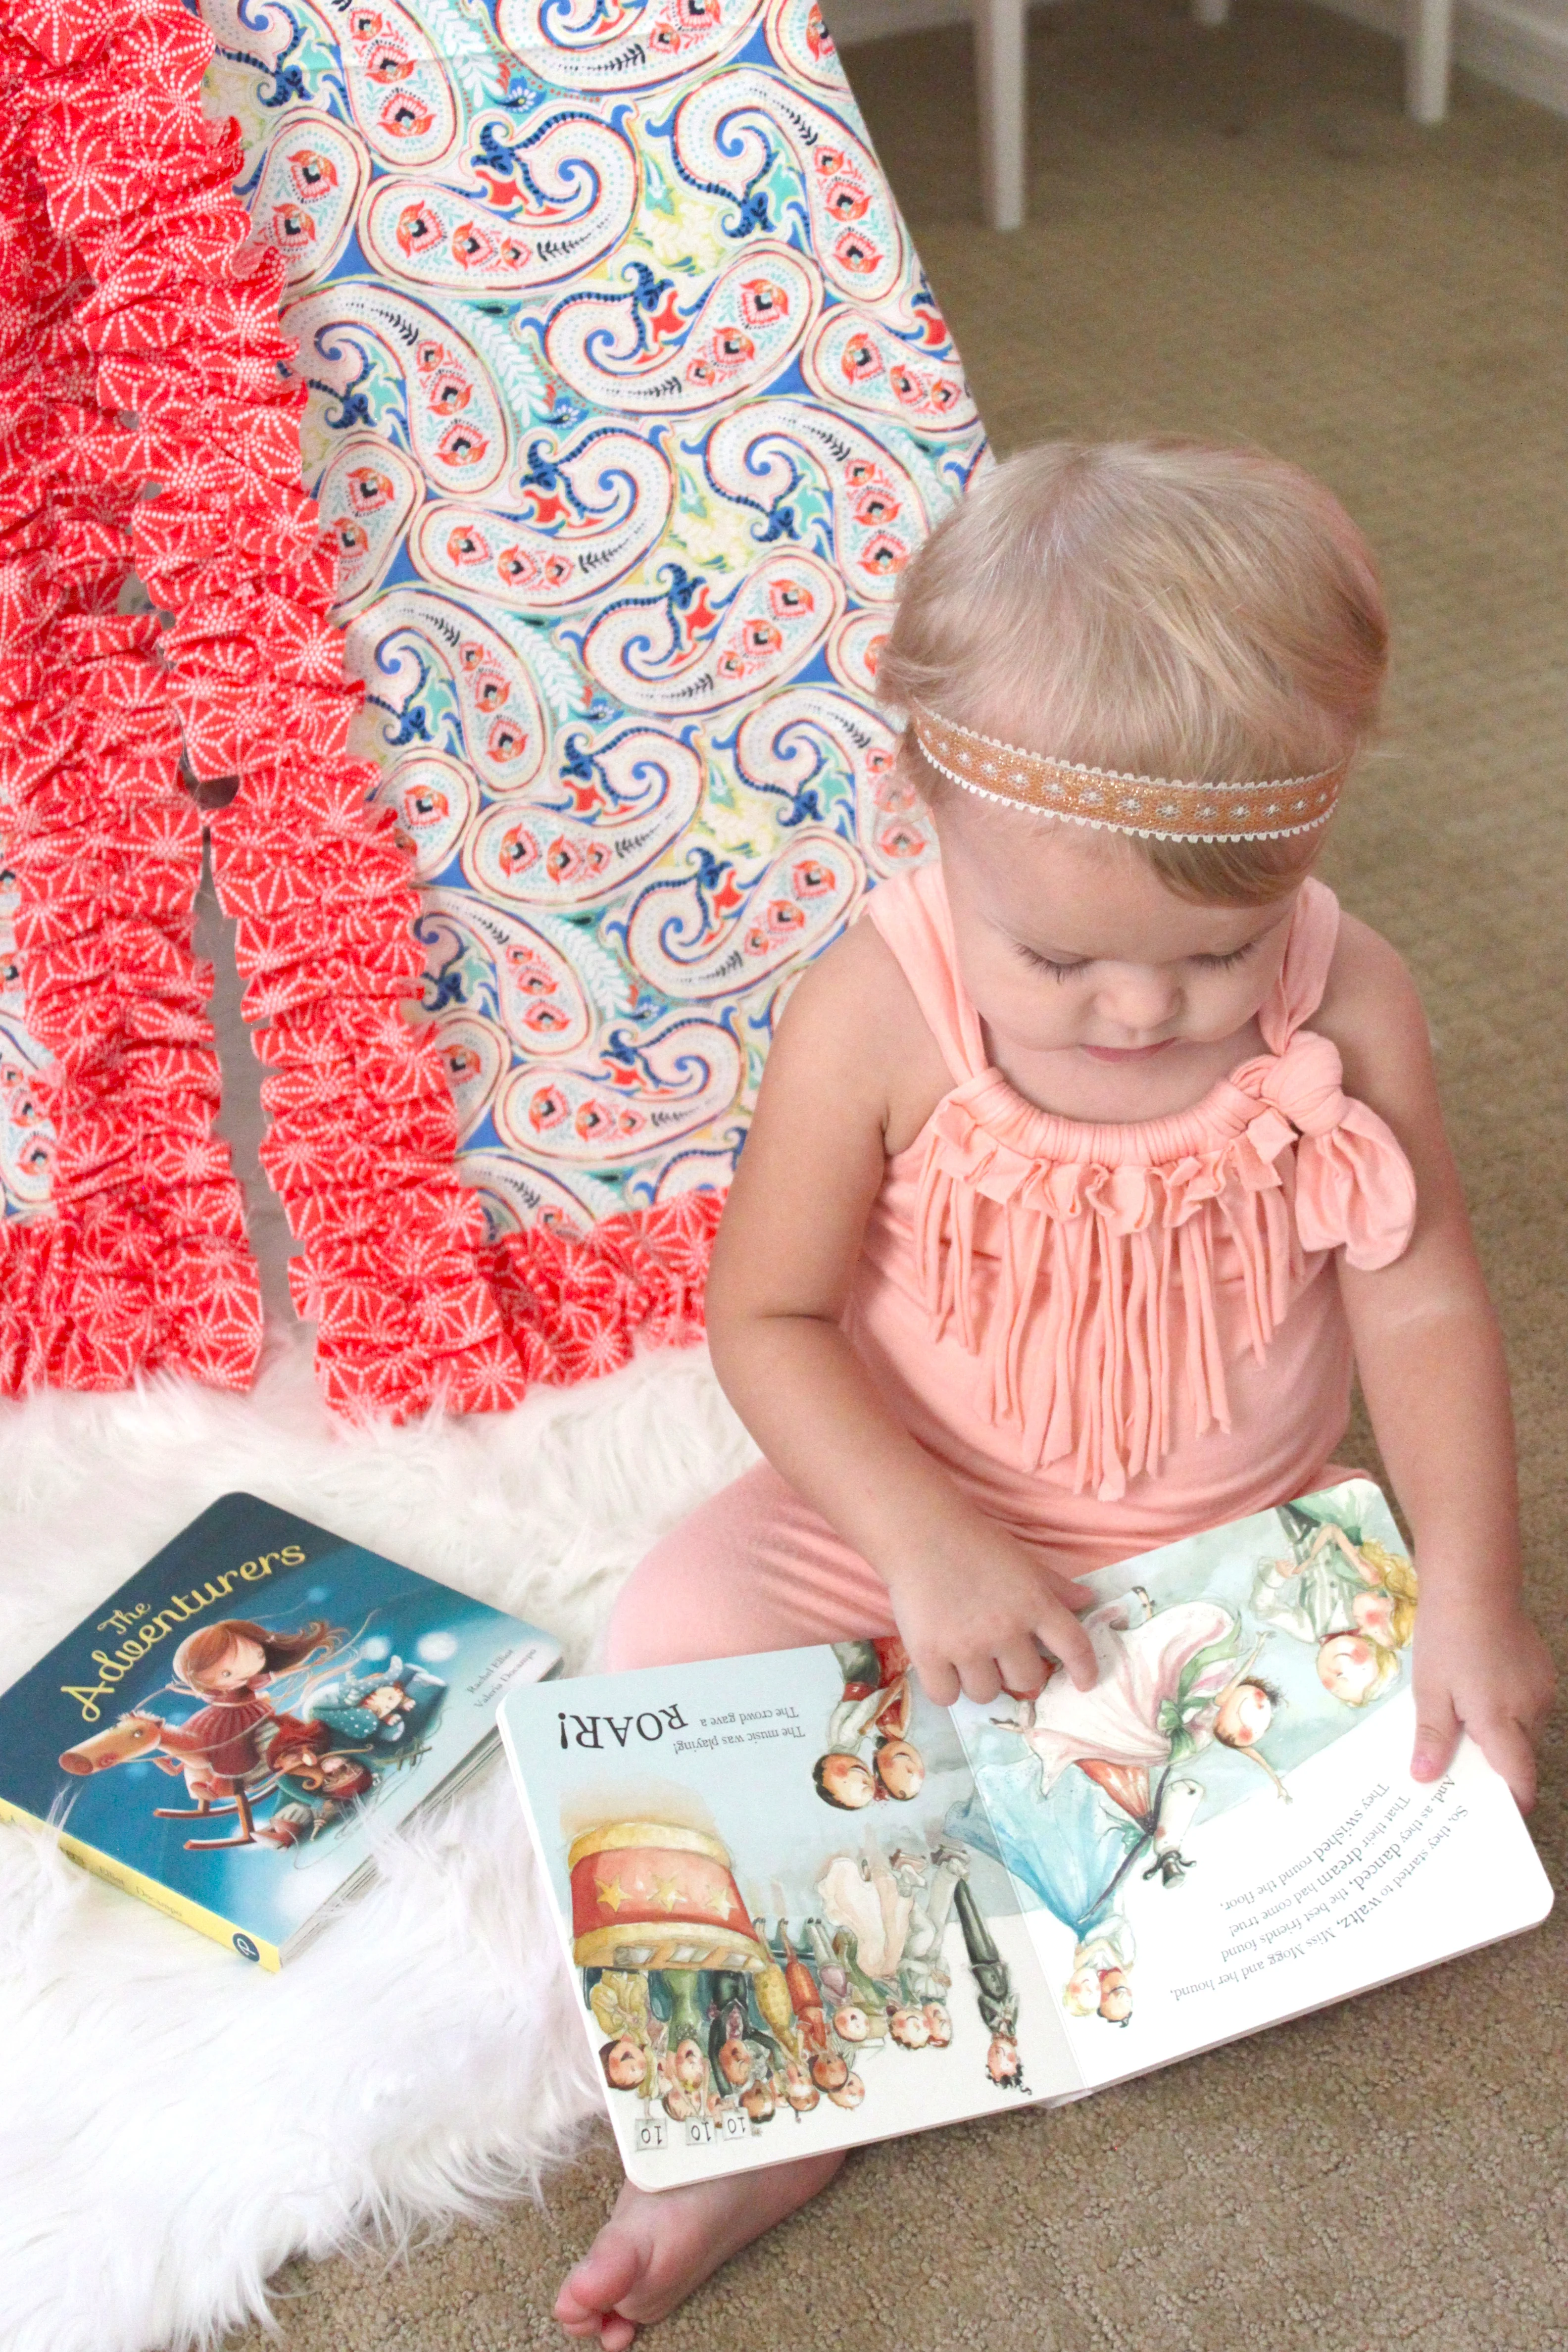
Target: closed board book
(222, 1733)
(808, 1909)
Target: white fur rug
(173, 2124)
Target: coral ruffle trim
(573, 1304)
(149, 423)
(140, 1260)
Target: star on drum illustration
(651, 1894)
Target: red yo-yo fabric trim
(149, 423)
(140, 1260)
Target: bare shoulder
(1374, 1013)
(853, 1017)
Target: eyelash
(1044, 963)
(1064, 972)
(1227, 962)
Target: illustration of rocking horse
(147, 1735)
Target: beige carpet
(1237, 232)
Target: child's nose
(1141, 999)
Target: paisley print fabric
(604, 351)
(627, 406)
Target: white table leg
(1001, 63)
(1428, 44)
(1211, 12)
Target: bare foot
(653, 2250)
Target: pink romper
(1110, 1336)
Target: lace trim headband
(1142, 805)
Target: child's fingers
(1072, 1595)
(939, 1680)
(981, 1680)
(1506, 1746)
(1063, 1637)
(1021, 1668)
(1436, 1737)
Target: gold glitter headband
(1144, 804)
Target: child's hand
(976, 1612)
(1486, 1670)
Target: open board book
(808, 1909)
(227, 1735)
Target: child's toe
(604, 2278)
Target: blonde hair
(1162, 608)
(1397, 1578)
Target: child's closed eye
(1226, 963)
(1060, 968)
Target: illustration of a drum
(648, 1894)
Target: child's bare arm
(1432, 1370)
(852, 1064)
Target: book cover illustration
(221, 1734)
(808, 1909)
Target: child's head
(1159, 608)
(843, 1780)
(899, 1769)
(625, 2063)
(735, 2061)
(318, 1768)
(1245, 1712)
(1115, 2002)
(1094, 1989)
(1154, 609)
(227, 1656)
(385, 1700)
(691, 2064)
(1003, 2064)
(346, 1776)
(1355, 1669)
(802, 2095)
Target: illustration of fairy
(1353, 1599)
(1167, 1688)
(1102, 1791)
(876, 1705)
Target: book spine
(162, 1898)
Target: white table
(1001, 60)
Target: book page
(1223, 1831)
(1364, 1876)
(775, 1960)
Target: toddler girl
(1089, 1163)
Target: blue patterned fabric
(627, 406)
